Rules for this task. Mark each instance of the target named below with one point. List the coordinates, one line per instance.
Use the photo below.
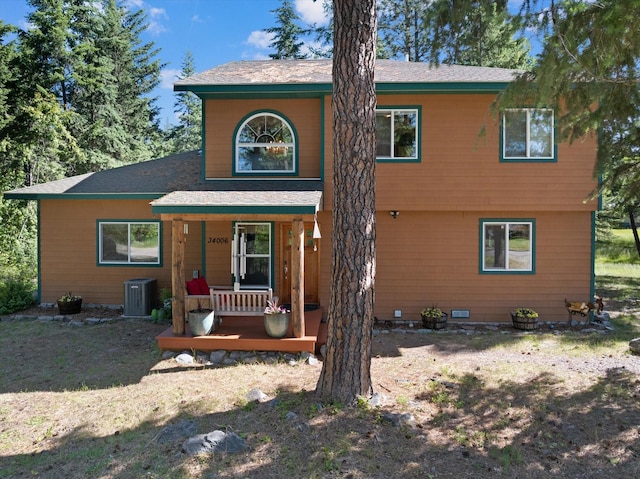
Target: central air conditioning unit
(139, 295)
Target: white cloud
(312, 12)
(196, 18)
(260, 39)
(168, 77)
(157, 12)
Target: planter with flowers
(433, 318)
(276, 319)
(525, 319)
(69, 303)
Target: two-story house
(477, 223)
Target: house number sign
(219, 240)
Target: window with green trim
(507, 246)
(265, 143)
(397, 134)
(129, 243)
(527, 134)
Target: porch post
(177, 275)
(297, 278)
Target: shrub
(15, 295)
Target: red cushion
(193, 286)
(203, 287)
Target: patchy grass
(79, 402)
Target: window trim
(399, 108)
(528, 159)
(235, 146)
(128, 263)
(507, 222)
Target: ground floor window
(129, 242)
(507, 246)
(252, 255)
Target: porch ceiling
(278, 202)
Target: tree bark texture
(346, 367)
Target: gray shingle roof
(156, 178)
(272, 72)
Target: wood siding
(69, 254)
(434, 258)
(460, 167)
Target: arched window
(265, 143)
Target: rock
(256, 395)
(312, 361)
(376, 400)
(216, 357)
(216, 441)
(634, 345)
(399, 419)
(168, 355)
(185, 359)
(175, 432)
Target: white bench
(240, 303)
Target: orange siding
(224, 116)
(460, 169)
(433, 258)
(69, 252)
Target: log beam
(297, 278)
(177, 276)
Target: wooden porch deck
(246, 333)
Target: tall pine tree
(287, 33)
(187, 134)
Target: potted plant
(433, 318)
(276, 319)
(201, 320)
(524, 318)
(69, 303)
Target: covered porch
(247, 333)
(241, 332)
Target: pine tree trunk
(346, 368)
(634, 228)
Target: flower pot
(201, 323)
(435, 323)
(70, 307)
(276, 324)
(525, 324)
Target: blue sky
(215, 31)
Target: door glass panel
(254, 256)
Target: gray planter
(200, 322)
(277, 324)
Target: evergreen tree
(287, 34)
(588, 71)
(404, 28)
(464, 32)
(187, 134)
(346, 370)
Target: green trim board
(313, 90)
(83, 196)
(235, 209)
(482, 222)
(100, 264)
(418, 158)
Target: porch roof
(239, 202)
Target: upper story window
(129, 243)
(528, 134)
(397, 134)
(265, 143)
(507, 246)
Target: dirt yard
(92, 402)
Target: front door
(311, 263)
